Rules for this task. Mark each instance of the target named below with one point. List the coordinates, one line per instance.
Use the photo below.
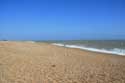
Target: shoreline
(91, 49)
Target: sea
(116, 47)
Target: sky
(62, 19)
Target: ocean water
(105, 46)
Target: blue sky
(62, 19)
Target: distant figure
(64, 45)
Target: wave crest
(116, 51)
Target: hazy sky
(62, 19)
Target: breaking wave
(116, 51)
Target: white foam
(58, 44)
(116, 51)
(30, 41)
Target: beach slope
(29, 62)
